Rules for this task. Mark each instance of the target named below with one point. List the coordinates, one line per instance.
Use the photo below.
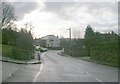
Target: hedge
(105, 52)
(76, 51)
(15, 53)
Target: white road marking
(38, 73)
(94, 77)
(98, 79)
(40, 69)
(91, 75)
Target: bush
(76, 51)
(17, 45)
(105, 52)
(15, 53)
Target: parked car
(43, 49)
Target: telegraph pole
(70, 40)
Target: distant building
(36, 42)
(51, 41)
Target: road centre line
(94, 77)
(91, 75)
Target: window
(51, 40)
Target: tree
(97, 38)
(89, 32)
(7, 14)
(7, 21)
(0, 15)
(89, 38)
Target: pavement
(11, 66)
(8, 69)
(19, 72)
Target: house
(36, 41)
(51, 41)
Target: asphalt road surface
(56, 68)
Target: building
(51, 41)
(36, 41)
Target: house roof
(48, 36)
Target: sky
(55, 17)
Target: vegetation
(105, 52)
(89, 38)
(17, 44)
(76, 48)
(102, 47)
(0, 48)
(7, 16)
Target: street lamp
(70, 40)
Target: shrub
(105, 52)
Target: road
(56, 68)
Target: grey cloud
(22, 8)
(104, 25)
(59, 0)
(61, 8)
(100, 22)
(102, 5)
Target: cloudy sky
(56, 17)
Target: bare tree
(7, 14)
(0, 14)
(29, 27)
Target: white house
(51, 41)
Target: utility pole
(70, 40)
(69, 33)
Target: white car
(43, 49)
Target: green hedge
(76, 51)
(105, 52)
(15, 53)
